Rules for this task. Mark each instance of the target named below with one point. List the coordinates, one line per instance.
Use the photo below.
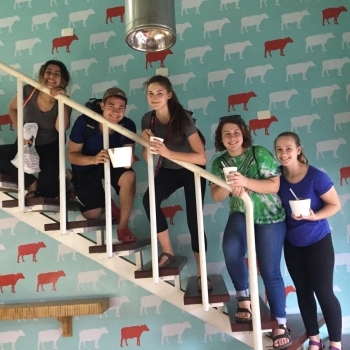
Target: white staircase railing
(199, 172)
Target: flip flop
(170, 259)
(125, 235)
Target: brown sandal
(125, 235)
(169, 260)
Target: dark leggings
(311, 269)
(48, 184)
(167, 182)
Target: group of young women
(306, 240)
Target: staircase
(189, 300)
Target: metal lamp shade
(150, 24)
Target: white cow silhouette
(342, 259)
(180, 29)
(215, 25)
(319, 39)
(341, 118)
(225, 2)
(281, 96)
(238, 47)
(181, 79)
(196, 52)
(169, 330)
(45, 18)
(116, 303)
(324, 91)
(82, 64)
(294, 17)
(219, 75)
(8, 223)
(150, 301)
(346, 40)
(120, 60)
(210, 329)
(257, 71)
(90, 277)
(51, 335)
(304, 120)
(183, 239)
(251, 21)
(91, 335)
(329, 145)
(298, 68)
(336, 63)
(8, 22)
(210, 209)
(202, 102)
(190, 4)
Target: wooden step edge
(219, 294)
(131, 247)
(172, 269)
(268, 321)
(93, 225)
(42, 204)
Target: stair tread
(172, 269)
(8, 184)
(298, 332)
(268, 321)
(140, 243)
(42, 201)
(100, 223)
(219, 294)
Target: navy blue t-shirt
(94, 144)
(315, 184)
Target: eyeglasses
(234, 117)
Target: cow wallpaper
(231, 57)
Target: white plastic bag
(30, 155)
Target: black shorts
(88, 186)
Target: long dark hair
(65, 77)
(178, 117)
(233, 119)
(301, 156)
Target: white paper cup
(300, 207)
(227, 170)
(120, 156)
(153, 138)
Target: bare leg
(126, 197)
(32, 189)
(165, 243)
(93, 214)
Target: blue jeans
(269, 240)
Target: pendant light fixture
(150, 24)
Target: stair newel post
(108, 204)
(20, 145)
(153, 221)
(253, 274)
(201, 241)
(62, 168)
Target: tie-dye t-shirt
(267, 207)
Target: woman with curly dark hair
(257, 175)
(41, 109)
(169, 120)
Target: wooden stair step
(42, 204)
(8, 184)
(219, 294)
(129, 247)
(172, 269)
(268, 321)
(298, 332)
(81, 226)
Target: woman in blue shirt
(308, 248)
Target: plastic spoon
(294, 194)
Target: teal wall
(192, 80)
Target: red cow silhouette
(49, 277)
(278, 44)
(157, 56)
(287, 290)
(169, 212)
(6, 119)
(344, 174)
(255, 124)
(27, 249)
(10, 280)
(332, 12)
(257, 265)
(115, 12)
(132, 332)
(63, 41)
(239, 99)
